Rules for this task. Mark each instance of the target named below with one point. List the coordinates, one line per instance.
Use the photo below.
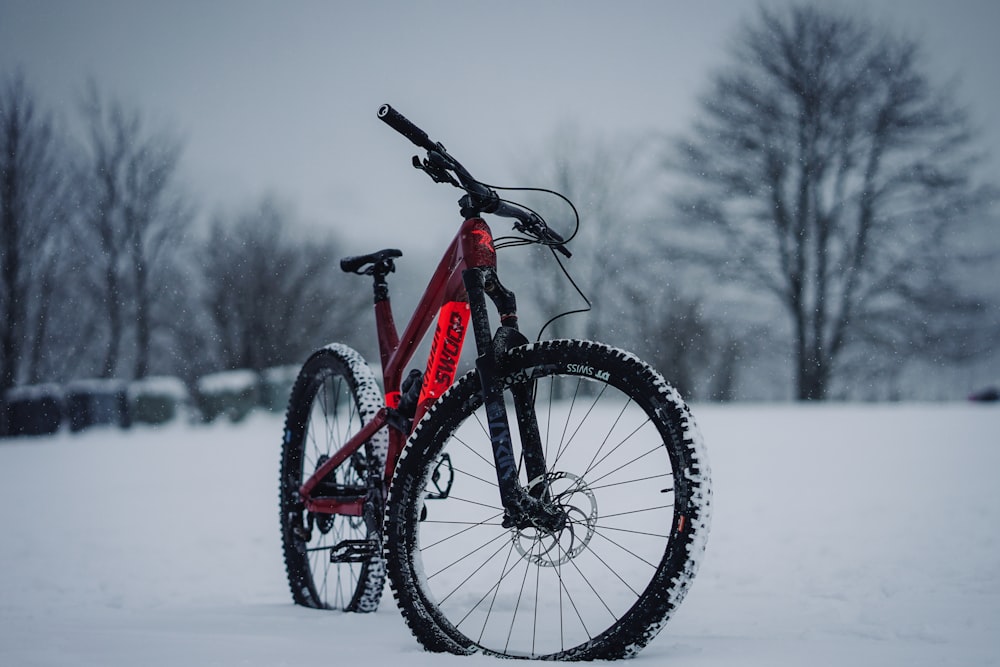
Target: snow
(160, 386)
(281, 374)
(95, 386)
(842, 534)
(35, 392)
(228, 381)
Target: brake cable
(515, 241)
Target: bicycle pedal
(354, 551)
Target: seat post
(379, 272)
(378, 265)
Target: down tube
(446, 349)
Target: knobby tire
(335, 394)
(624, 459)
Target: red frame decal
(449, 336)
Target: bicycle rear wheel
(334, 395)
(624, 461)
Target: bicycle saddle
(360, 263)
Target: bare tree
(155, 222)
(600, 177)
(696, 353)
(273, 293)
(31, 205)
(838, 179)
(134, 213)
(639, 300)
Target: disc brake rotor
(550, 549)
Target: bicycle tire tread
(672, 580)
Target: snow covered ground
(843, 535)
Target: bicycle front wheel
(335, 395)
(623, 460)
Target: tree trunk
(143, 326)
(41, 326)
(114, 305)
(813, 378)
(143, 338)
(10, 252)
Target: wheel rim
(527, 593)
(333, 419)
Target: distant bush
(988, 394)
(233, 394)
(157, 400)
(34, 409)
(95, 402)
(276, 386)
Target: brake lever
(537, 228)
(437, 169)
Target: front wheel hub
(576, 504)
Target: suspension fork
(522, 510)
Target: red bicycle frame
(445, 294)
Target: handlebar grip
(401, 124)
(559, 242)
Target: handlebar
(480, 197)
(401, 124)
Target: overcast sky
(280, 97)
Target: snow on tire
(624, 461)
(335, 394)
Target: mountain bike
(551, 502)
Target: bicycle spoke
(534, 623)
(628, 463)
(517, 605)
(323, 588)
(474, 572)
(562, 438)
(492, 588)
(646, 509)
(492, 483)
(492, 464)
(572, 603)
(627, 481)
(328, 406)
(583, 483)
(625, 549)
(470, 524)
(572, 561)
(614, 425)
(473, 502)
(323, 548)
(633, 532)
(462, 558)
(496, 590)
(482, 426)
(613, 571)
(464, 523)
(583, 420)
(548, 417)
(616, 448)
